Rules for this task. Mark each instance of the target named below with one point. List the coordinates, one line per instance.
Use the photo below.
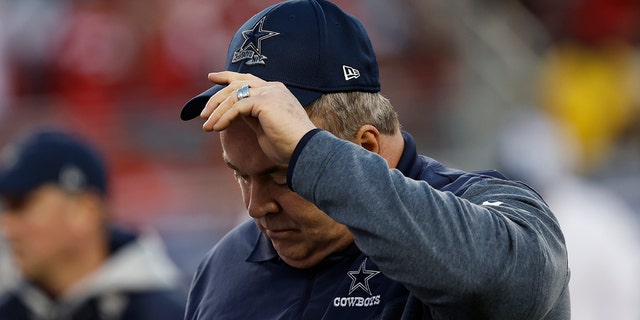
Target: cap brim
(194, 107)
(17, 183)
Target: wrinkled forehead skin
(240, 145)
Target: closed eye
(240, 177)
(279, 178)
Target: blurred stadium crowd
(546, 91)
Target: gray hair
(343, 113)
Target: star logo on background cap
(72, 179)
(360, 278)
(251, 48)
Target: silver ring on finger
(242, 92)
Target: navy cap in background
(49, 156)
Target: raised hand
(275, 115)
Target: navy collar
(263, 250)
(409, 161)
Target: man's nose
(261, 200)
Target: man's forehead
(238, 132)
(239, 142)
(242, 153)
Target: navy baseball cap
(311, 46)
(49, 156)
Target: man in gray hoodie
(349, 222)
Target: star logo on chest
(360, 278)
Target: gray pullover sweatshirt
(478, 248)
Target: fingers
(223, 101)
(226, 77)
(229, 110)
(232, 81)
(221, 113)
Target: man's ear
(368, 137)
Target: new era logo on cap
(350, 73)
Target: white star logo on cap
(251, 48)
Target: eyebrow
(267, 171)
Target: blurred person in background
(75, 264)
(350, 222)
(601, 230)
(588, 82)
(573, 148)
(588, 79)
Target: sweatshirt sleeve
(497, 246)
